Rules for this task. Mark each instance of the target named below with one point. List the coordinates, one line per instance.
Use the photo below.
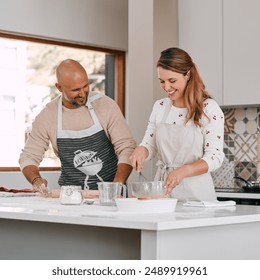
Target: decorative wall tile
(251, 114)
(240, 127)
(258, 148)
(239, 114)
(241, 147)
(245, 147)
(224, 176)
(245, 120)
(258, 171)
(229, 120)
(258, 120)
(246, 170)
(229, 146)
(251, 127)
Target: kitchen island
(41, 228)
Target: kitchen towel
(211, 203)
(5, 192)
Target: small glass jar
(71, 195)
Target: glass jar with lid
(71, 195)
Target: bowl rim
(145, 182)
(153, 199)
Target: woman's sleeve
(149, 136)
(213, 133)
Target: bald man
(87, 132)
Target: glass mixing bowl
(153, 189)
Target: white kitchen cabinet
(223, 38)
(200, 34)
(241, 52)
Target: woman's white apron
(178, 145)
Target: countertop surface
(50, 210)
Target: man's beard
(73, 102)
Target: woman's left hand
(173, 179)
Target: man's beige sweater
(44, 129)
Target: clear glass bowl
(153, 189)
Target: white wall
(204, 41)
(100, 23)
(152, 27)
(165, 34)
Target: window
(27, 69)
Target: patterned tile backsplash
(241, 147)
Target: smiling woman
(27, 66)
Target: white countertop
(50, 210)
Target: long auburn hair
(179, 61)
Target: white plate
(134, 205)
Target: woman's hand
(138, 157)
(174, 178)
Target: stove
(229, 190)
(238, 195)
(238, 190)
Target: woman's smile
(171, 92)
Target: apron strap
(93, 98)
(90, 107)
(59, 128)
(164, 168)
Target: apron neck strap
(92, 98)
(88, 105)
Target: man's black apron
(87, 156)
